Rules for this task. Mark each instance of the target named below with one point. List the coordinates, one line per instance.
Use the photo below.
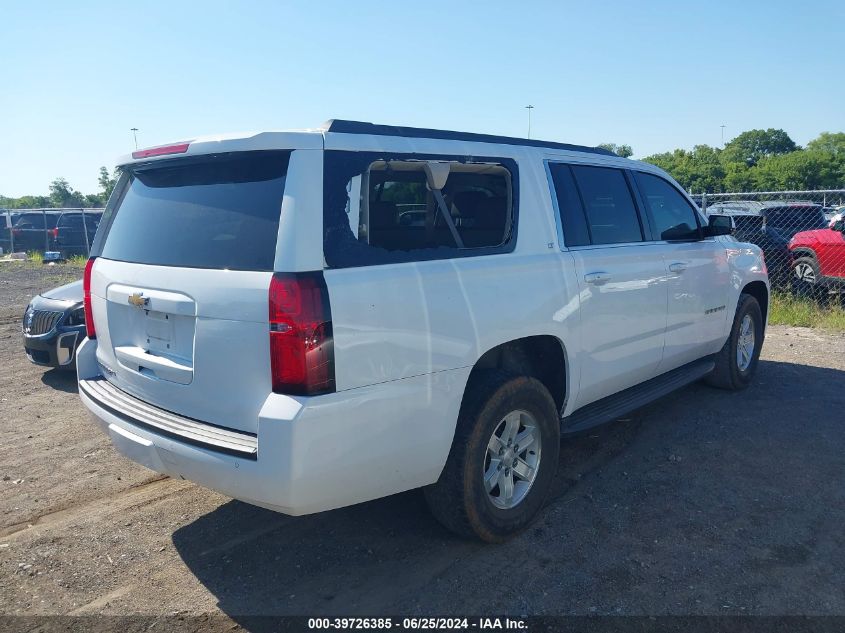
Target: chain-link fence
(55, 233)
(802, 234)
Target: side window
(571, 212)
(388, 209)
(611, 215)
(31, 221)
(672, 217)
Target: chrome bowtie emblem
(138, 300)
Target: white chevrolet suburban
(306, 320)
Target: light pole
(529, 108)
(134, 131)
(723, 135)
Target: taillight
(301, 345)
(86, 299)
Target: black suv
(73, 233)
(30, 230)
(770, 225)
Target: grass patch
(36, 257)
(77, 260)
(786, 309)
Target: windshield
(220, 211)
(796, 219)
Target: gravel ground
(706, 502)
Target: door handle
(678, 267)
(597, 279)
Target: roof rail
(341, 126)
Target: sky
(75, 77)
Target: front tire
(806, 278)
(503, 458)
(737, 361)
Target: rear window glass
(796, 218)
(36, 220)
(216, 212)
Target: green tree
(699, 170)
(833, 142)
(107, 183)
(738, 177)
(805, 169)
(63, 195)
(749, 147)
(624, 151)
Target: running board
(612, 407)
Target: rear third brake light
(301, 344)
(180, 148)
(86, 299)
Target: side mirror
(720, 225)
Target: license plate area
(152, 332)
(159, 331)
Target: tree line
(756, 160)
(62, 195)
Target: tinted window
(72, 221)
(573, 221)
(748, 224)
(672, 217)
(611, 215)
(795, 219)
(379, 209)
(36, 220)
(219, 212)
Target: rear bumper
(312, 454)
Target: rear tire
(471, 497)
(737, 361)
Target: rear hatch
(180, 284)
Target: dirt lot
(705, 502)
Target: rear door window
(220, 211)
(609, 207)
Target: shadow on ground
(61, 380)
(705, 502)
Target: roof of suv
(342, 126)
(313, 139)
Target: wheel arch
(759, 291)
(541, 356)
(804, 251)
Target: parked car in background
(819, 259)
(771, 225)
(7, 221)
(31, 230)
(74, 232)
(53, 326)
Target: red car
(818, 256)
